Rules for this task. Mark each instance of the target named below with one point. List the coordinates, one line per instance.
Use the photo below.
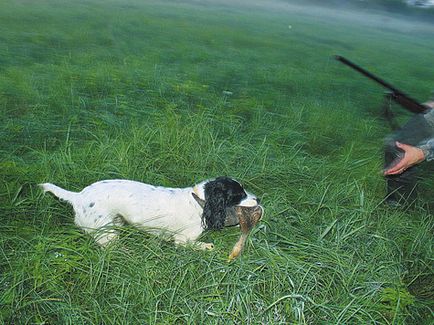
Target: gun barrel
(401, 98)
(366, 73)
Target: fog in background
(400, 17)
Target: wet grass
(171, 93)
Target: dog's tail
(62, 194)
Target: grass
(91, 90)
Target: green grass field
(175, 92)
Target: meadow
(175, 92)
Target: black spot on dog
(91, 204)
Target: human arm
(414, 154)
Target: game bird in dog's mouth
(184, 212)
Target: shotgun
(395, 94)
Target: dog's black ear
(214, 211)
(220, 194)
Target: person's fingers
(399, 167)
(401, 164)
(394, 172)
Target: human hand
(430, 104)
(412, 156)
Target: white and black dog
(184, 212)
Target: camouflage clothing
(418, 132)
(427, 145)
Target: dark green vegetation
(92, 90)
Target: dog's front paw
(205, 246)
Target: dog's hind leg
(103, 228)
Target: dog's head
(220, 197)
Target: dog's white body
(158, 209)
